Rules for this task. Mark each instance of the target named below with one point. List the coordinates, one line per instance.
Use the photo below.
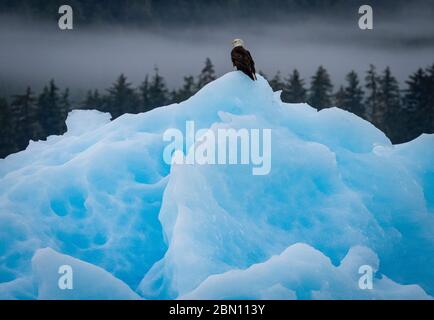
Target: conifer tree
(388, 111)
(277, 83)
(353, 98)
(418, 101)
(321, 88)
(25, 119)
(429, 110)
(65, 104)
(158, 92)
(188, 89)
(7, 134)
(122, 98)
(415, 96)
(372, 89)
(295, 91)
(340, 98)
(43, 111)
(93, 101)
(65, 107)
(207, 74)
(145, 102)
(49, 112)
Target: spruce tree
(321, 90)
(372, 89)
(339, 98)
(388, 111)
(353, 98)
(145, 102)
(43, 111)
(429, 110)
(65, 104)
(207, 74)
(415, 96)
(121, 98)
(277, 83)
(158, 92)
(418, 101)
(7, 134)
(294, 89)
(25, 119)
(65, 107)
(188, 89)
(49, 112)
(21, 109)
(93, 101)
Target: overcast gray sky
(92, 57)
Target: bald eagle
(242, 59)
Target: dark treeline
(403, 114)
(29, 116)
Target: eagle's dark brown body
(242, 60)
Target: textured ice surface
(303, 272)
(46, 263)
(338, 196)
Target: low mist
(85, 58)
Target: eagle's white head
(238, 43)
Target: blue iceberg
(102, 200)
